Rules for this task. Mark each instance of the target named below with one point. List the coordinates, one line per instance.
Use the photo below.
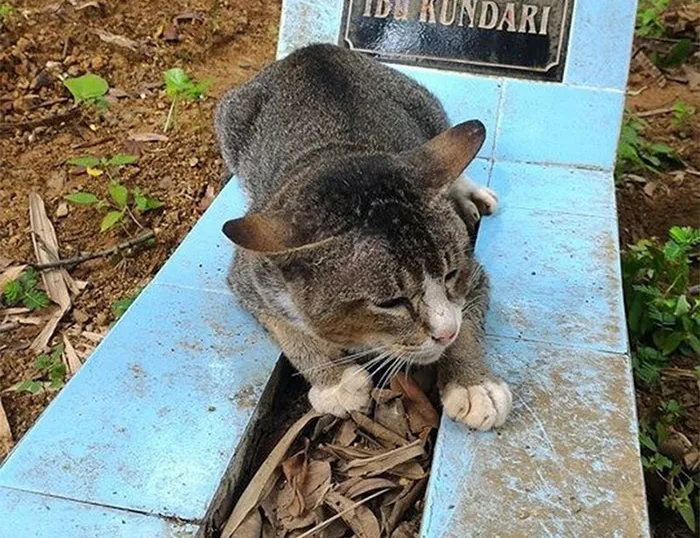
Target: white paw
(351, 394)
(481, 407)
(473, 200)
(486, 199)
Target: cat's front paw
(473, 201)
(481, 407)
(351, 394)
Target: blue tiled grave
(146, 439)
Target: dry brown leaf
(4, 262)
(693, 77)
(251, 495)
(384, 395)
(6, 441)
(421, 413)
(347, 433)
(169, 33)
(406, 529)
(392, 415)
(70, 356)
(650, 188)
(148, 137)
(10, 274)
(315, 487)
(403, 502)
(360, 518)
(411, 470)
(353, 487)
(115, 39)
(350, 452)
(295, 469)
(251, 527)
(386, 437)
(205, 202)
(55, 280)
(384, 462)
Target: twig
(340, 514)
(170, 115)
(667, 40)
(654, 112)
(28, 125)
(99, 254)
(91, 143)
(10, 326)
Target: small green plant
(5, 11)
(117, 205)
(120, 306)
(679, 485)
(636, 153)
(24, 291)
(50, 373)
(649, 18)
(95, 166)
(671, 411)
(682, 112)
(89, 89)
(661, 317)
(178, 87)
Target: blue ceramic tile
(28, 515)
(464, 97)
(600, 43)
(479, 171)
(566, 463)
(308, 21)
(556, 124)
(554, 188)
(202, 260)
(555, 277)
(152, 420)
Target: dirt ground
(227, 42)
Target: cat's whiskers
(339, 362)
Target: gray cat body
(355, 252)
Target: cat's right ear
(266, 234)
(442, 159)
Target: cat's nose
(444, 337)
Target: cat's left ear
(442, 159)
(268, 233)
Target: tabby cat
(355, 253)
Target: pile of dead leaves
(363, 477)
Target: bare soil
(41, 41)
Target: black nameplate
(521, 39)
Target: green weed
(636, 153)
(679, 485)
(682, 113)
(24, 291)
(179, 87)
(50, 373)
(89, 89)
(5, 11)
(649, 18)
(120, 306)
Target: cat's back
(321, 98)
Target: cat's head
(372, 253)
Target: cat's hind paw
(481, 407)
(351, 394)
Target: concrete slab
(153, 419)
(28, 515)
(566, 463)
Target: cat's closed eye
(449, 277)
(396, 302)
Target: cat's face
(371, 251)
(397, 288)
